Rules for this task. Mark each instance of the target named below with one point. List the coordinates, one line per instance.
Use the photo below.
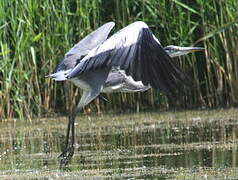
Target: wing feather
(135, 50)
(83, 47)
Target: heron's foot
(65, 156)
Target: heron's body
(131, 60)
(118, 81)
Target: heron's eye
(172, 50)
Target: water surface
(161, 145)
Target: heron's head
(174, 51)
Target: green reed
(34, 35)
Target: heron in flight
(131, 60)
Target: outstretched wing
(135, 50)
(82, 48)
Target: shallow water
(160, 145)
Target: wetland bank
(163, 145)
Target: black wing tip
(164, 73)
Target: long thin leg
(68, 152)
(68, 132)
(72, 116)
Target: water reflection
(130, 146)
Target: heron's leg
(68, 152)
(70, 127)
(68, 132)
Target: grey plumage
(118, 81)
(81, 49)
(142, 58)
(131, 60)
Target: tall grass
(34, 35)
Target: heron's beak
(179, 51)
(190, 49)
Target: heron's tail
(59, 76)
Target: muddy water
(160, 145)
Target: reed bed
(34, 35)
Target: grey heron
(131, 60)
